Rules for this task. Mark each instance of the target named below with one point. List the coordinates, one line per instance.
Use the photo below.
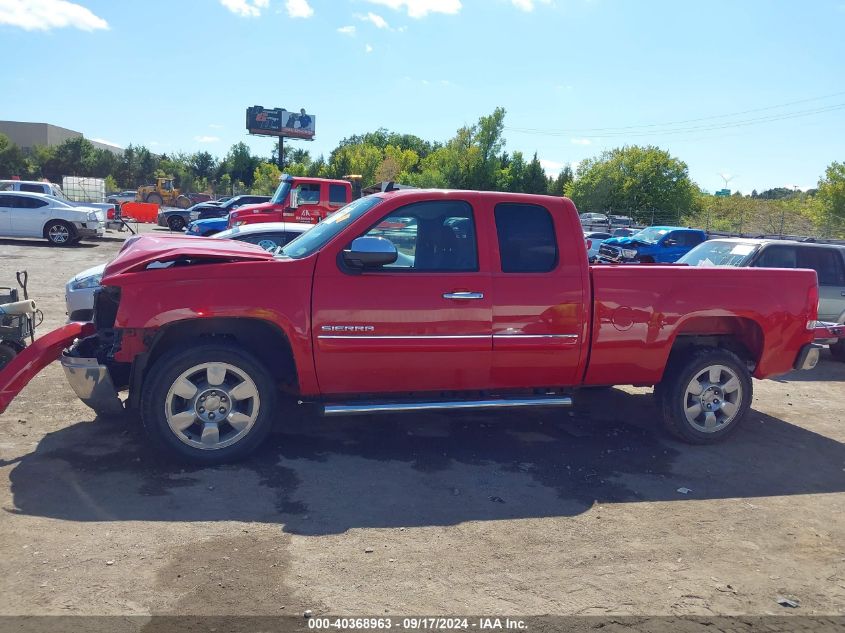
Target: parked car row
(178, 219)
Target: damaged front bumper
(91, 382)
(35, 357)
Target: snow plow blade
(26, 365)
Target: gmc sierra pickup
(420, 300)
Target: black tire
(837, 350)
(675, 400)
(183, 202)
(60, 233)
(159, 398)
(210, 233)
(154, 198)
(648, 259)
(7, 353)
(176, 223)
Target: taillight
(110, 214)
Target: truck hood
(261, 207)
(139, 253)
(626, 242)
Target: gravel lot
(521, 514)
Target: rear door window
(827, 262)
(527, 242)
(31, 188)
(777, 256)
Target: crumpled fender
(26, 365)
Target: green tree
(12, 160)
(644, 182)
(535, 177)
(557, 186)
(203, 164)
(831, 195)
(241, 164)
(265, 179)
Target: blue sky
(755, 84)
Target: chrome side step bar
(360, 408)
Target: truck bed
(638, 311)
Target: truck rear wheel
(838, 350)
(210, 404)
(705, 395)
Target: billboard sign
(280, 122)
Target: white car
(42, 216)
(79, 291)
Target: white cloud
(206, 139)
(580, 141)
(368, 49)
(246, 8)
(375, 19)
(551, 167)
(421, 8)
(299, 9)
(528, 5)
(43, 15)
(347, 30)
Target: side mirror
(294, 199)
(370, 252)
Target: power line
(670, 123)
(694, 128)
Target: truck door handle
(463, 296)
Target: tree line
(643, 182)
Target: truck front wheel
(210, 404)
(705, 395)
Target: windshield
(651, 235)
(281, 193)
(719, 253)
(311, 241)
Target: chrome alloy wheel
(58, 234)
(212, 405)
(713, 398)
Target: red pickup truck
(424, 300)
(296, 199)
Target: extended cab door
(539, 292)
(421, 324)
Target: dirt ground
(519, 514)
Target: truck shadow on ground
(422, 470)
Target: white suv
(38, 215)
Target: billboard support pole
(281, 153)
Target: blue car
(656, 244)
(209, 226)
